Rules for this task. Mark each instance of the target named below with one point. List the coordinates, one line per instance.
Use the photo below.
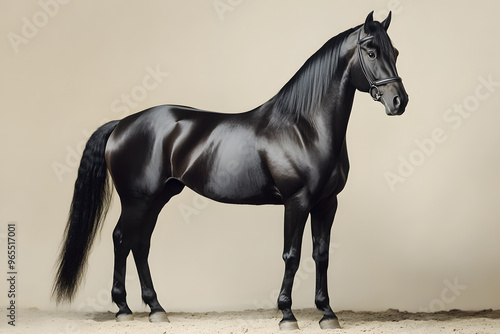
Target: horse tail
(91, 199)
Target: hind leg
(140, 250)
(133, 232)
(118, 293)
(136, 225)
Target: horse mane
(304, 91)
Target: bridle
(374, 83)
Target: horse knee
(148, 296)
(292, 261)
(284, 302)
(118, 293)
(321, 255)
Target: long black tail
(90, 204)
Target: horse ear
(387, 21)
(369, 19)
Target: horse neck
(341, 97)
(326, 115)
(337, 110)
(331, 117)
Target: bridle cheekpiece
(374, 83)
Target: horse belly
(237, 177)
(219, 158)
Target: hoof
(289, 326)
(124, 317)
(329, 324)
(158, 317)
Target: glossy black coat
(291, 151)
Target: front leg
(295, 220)
(321, 224)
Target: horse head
(375, 69)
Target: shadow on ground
(313, 315)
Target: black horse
(291, 150)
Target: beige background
(428, 243)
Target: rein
(374, 83)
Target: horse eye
(372, 54)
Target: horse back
(215, 154)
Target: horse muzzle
(395, 104)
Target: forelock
(380, 37)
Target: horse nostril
(396, 101)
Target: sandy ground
(256, 321)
